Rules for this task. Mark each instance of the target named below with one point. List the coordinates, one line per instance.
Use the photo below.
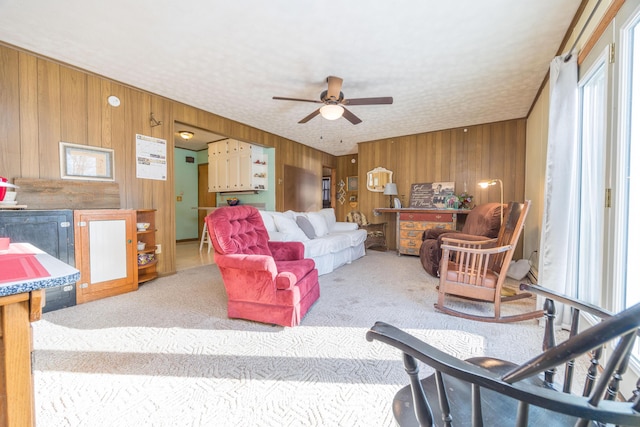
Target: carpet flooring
(167, 355)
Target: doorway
(191, 170)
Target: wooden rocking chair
(477, 269)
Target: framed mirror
(378, 178)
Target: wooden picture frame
(86, 162)
(432, 195)
(352, 183)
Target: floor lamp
(486, 183)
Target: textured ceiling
(446, 64)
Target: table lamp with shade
(390, 189)
(488, 182)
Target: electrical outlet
(158, 249)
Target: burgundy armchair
(482, 222)
(269, 282)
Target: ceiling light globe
(185, 134)
(331, 111)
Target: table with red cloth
(24, 272)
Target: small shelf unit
(147, 268)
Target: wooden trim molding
(611, 13)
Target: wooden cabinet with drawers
(411, 225)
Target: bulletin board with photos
(433, 195)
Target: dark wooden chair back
(500, 393)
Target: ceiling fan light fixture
(331, 111)
(185, 134)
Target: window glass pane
(592, 178)
(632, 294)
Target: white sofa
(328, 242)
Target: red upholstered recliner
(268, 282)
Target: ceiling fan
(334, 102)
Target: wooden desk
(411, 223)
(20, 304)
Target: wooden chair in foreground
(477, 270)
(500, 393)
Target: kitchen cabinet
(236, 166)
(105, 253)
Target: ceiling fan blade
(296, 99)
(310, 116)
(369, 101)
(335, 86)
(350, 116)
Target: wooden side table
(20, 304)
(376, 236)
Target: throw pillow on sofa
(319, 223)
(306, 226)
(290, 229)
(329, 215)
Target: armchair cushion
(241, 233)
(488, 281)
(286, 251)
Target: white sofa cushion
(329, 216)
(290, 229)
(319, 223)
(355, 237)
(344, 226)
(267, 219)
(327, 244)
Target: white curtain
(557, 264)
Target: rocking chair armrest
(621, 412)
(437, 359)
(468, 239)
(565, 299)
(477, 250)
(441, 361)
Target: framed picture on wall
(432, 195)
(352, 183)
(86, 162)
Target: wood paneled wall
(43, 102)
(345, 168)
(464, 155)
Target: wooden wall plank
(163, 192)
(29, 137)
(49, 119)
(73, 106)
(96, 104)
(10, 110)
(64, 194)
